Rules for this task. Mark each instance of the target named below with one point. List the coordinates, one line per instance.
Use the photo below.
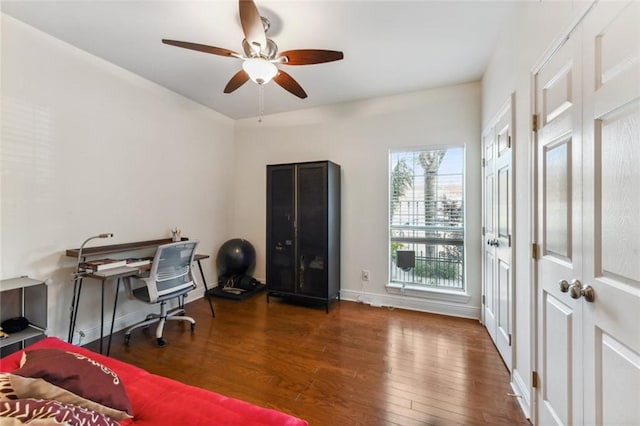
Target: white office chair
(170, 277)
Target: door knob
(588, 293)
(564, 286)
(576, 290)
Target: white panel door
(504, 223)
(588, 200)
(559, 210)
(612, 214)
(489, 234)
(498, 222)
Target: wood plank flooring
(357, 365)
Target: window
(426, 219)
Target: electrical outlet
(364, 275)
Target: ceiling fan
(261, 56)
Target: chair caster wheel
(127, 337)
(161, 341)
(193, 327)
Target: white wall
(358, 136)
(88, 148)
(533, 32)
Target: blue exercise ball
(235, 257)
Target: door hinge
(509, 240)
(484, 162)
(483, 231)
(509, 339)
(509, 141)
(534, 379)
(534, 122)
(535, 251)
(483, 300)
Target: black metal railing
(436, 265)
(434, 229)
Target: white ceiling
(389, 47)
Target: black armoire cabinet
(303, 231)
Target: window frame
(417, 290)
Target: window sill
(428, 293)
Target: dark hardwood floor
(357, 365)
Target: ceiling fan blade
(238, 79)
(252, 24)
(202, 48)
(287, 82)
(310, 56)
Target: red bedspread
(158, 400)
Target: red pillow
(78, 374)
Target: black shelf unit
(303, 231)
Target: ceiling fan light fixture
(260, 70)
(261, 57)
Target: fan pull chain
(260, 103)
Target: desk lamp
(76, 277)
(106, 235)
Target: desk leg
(75, 302)
(102, 317)
(206, 289)
(113, 316)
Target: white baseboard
(520, 388)
(412, 303)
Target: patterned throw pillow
(7, 392)
(54, 374)
(38, 411)
(26, 387)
